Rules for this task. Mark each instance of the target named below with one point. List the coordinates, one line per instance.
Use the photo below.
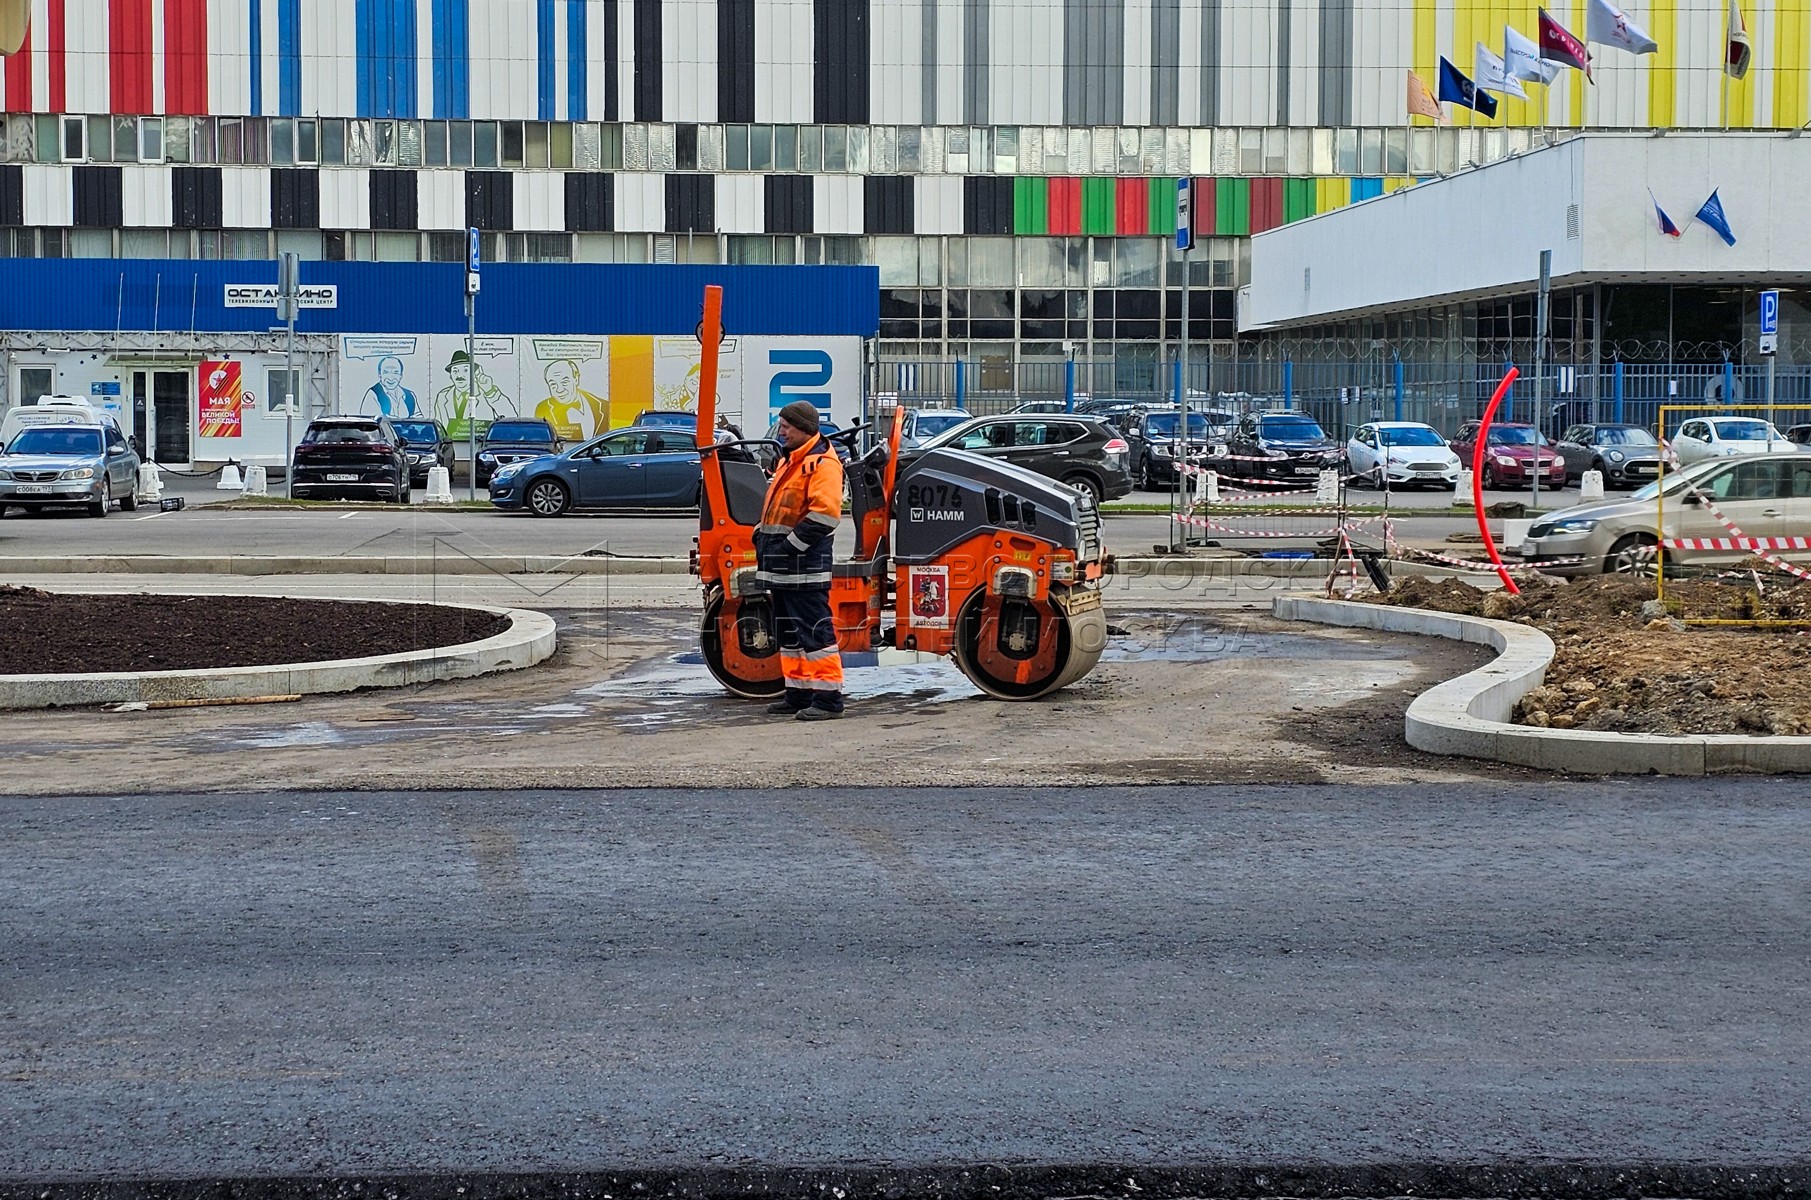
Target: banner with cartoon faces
(586, 386)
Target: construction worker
(792, 556)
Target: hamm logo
(920, 515)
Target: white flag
(1606, 23)
(1523, 59)
(1739, 51)
(1491, 75)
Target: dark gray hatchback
(1083, 452)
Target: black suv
(1278, 446)
(514, 440)
(429, 446)
(1083, 452)
(1152, 438)
(363, 457)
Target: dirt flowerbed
(54, 633)
(1625, 663)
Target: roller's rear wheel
(724, 654)
(1020, 650)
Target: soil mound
(56, 633)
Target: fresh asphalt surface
(1603, 987)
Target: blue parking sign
(1770, 312)
(473, 257)
(1185, 214)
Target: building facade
(1008, 165)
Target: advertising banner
(588, 385)
(222, 398)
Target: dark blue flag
(1712, 215)
(1454, 86)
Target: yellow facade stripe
(1791, 62)
(1427, 55)
(1574, 80)
(1663, 82)
(1330, 193)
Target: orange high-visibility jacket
(804, 504)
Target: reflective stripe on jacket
(804, 505)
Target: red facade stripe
(185, 34)
(1266, 204)
(1065, 206)
(129, 56)
(1134, 205)
(18, 78)
(1201, 202)
(59, 91)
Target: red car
(1511, 455)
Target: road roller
(963, 556)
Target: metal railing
(1346, 394)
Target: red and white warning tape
(1234, 530)
(1738, 543)
(1737, 539)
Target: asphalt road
(1412, 982)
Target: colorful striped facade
(1137, 63)
(914, 134)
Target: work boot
(784, 708)
(815, 713)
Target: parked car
(666, 418)
(52, 410)
(514, 440)
(91, 464)
(1046, 406)
(1765, 495)
(1723, 437)
(1627, 455)
(1116, 413)
(1151, 441)
(351, 456)
(1799, 435)
(1515, 450)
(1083, 452)
(427, 445)
(1278, 446)
(1401, 454)
(923, 424)
(639, 467)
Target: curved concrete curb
(528, 640)
(1469, 716)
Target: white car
(1704, 438)
(1401, 454)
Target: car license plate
(342, 479)
(33, 489)
(1307, 470)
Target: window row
(1129, 314)
(903, 262)
(854, 149)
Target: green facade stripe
(1298, 199)
(1030, 205)
(1099, 216)
(1232, 207)
(1163, 206)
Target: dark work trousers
(809, 660)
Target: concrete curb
(1469, 716)
(253, 564)
(1160, 568)
(528, 640)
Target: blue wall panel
(149, 294)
